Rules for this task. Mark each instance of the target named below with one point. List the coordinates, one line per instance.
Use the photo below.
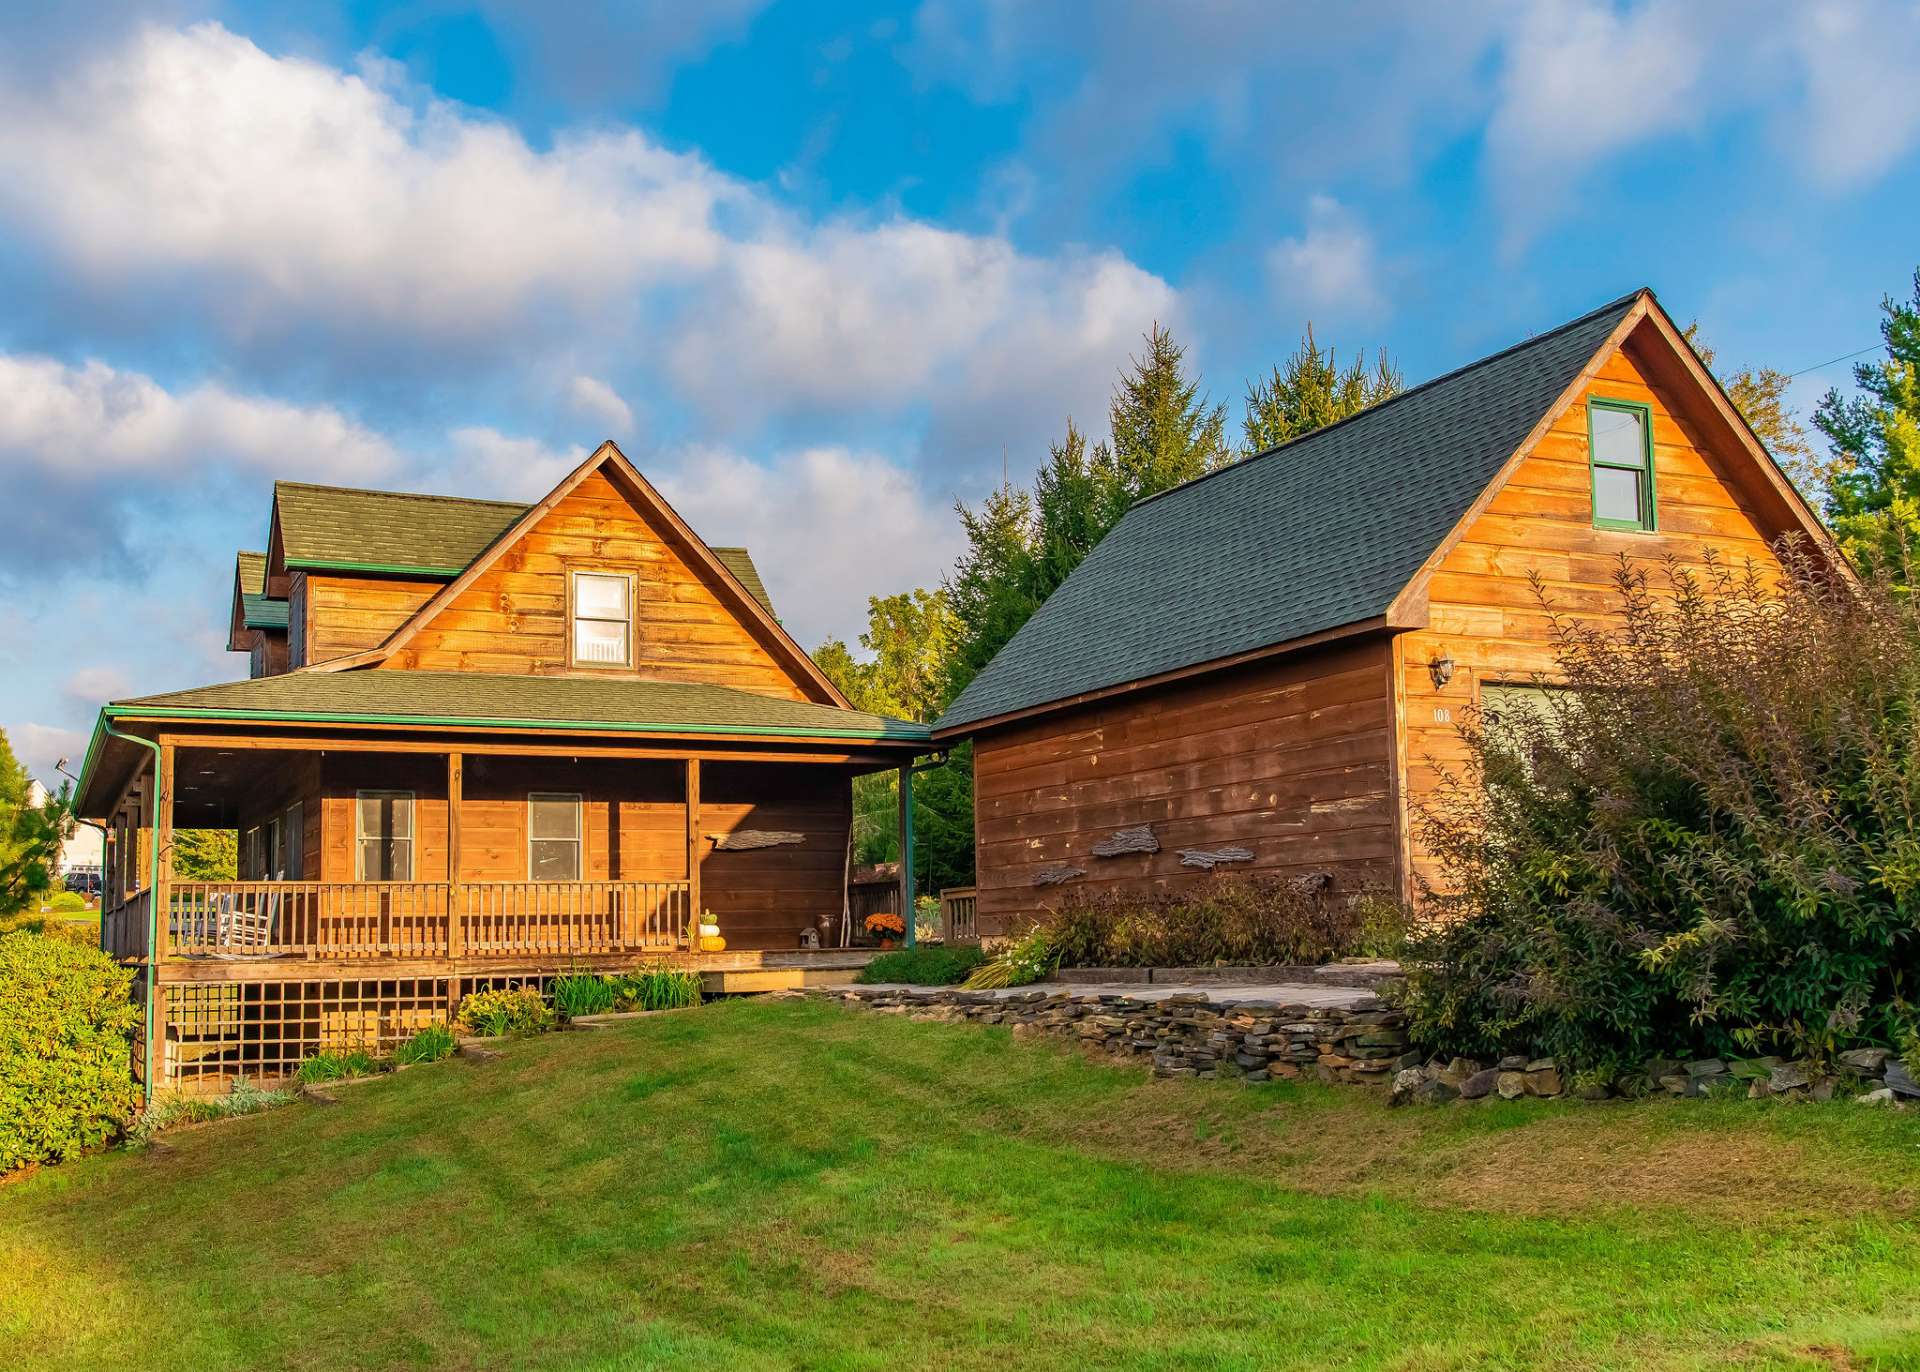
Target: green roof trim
(378, 568)
(487, 701)
(1317, 534)
(263, 612)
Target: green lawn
(789, 1184)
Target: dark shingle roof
(427, 535)
(483, 700)
(1316, 534)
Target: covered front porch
(392, 862)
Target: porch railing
(315, 919)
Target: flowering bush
(886, 924)
(1707, 845)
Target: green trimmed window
(1620, 447)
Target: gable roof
(341, 528)
(753, 611)
(1314, 536)
(252, 607)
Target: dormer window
(1620, 443)
(602, 619)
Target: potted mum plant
(886, 926)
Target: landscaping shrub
(66, 1079)
(1239, 921)
(582, 993)
(493, 1013)
(169, 1112)
(431, 1044)
(657, 987)
(1024, 960)
(1708, 845)
(926, 965)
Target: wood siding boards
(349, 614)
(513, 617)
(1482, 609)
(1291, 758)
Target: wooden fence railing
(959, 921)
(393, 919)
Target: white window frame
(579, 839)
(361, 837)
(575, 618)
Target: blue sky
(820, 268)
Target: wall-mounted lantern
(1442, 670)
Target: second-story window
(1620, 437)
(602, 619)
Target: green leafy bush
(431, 1044)
(66, 902)
(66, 1026)
(359, 1062)
(169, 1112)
(1708, 846)
(493, 1013)
(1238, 921)
(582, 993)
(657, 987)
(927, 965)
(1020, 962)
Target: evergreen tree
(1164, 432)
(1873, 489)
(990, 588)
(30, 835)
(1310, 390)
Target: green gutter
(314, 564)
(917, 734)
(153, 896)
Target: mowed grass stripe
(781, 1184)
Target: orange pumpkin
(712, 943)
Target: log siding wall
(1292, 758)
(513, 618)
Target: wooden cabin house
(1262, 670)
(481, 743)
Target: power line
(1846, 358)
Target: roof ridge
(1391, 400)
(404, 495)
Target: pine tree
(1310, 391)
(1164, 433)
(989, 589)
(1873, 489)
(30, 835)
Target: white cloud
(597, 400)
(1332, 266)
(280, 200)
(495, 465)
(92, 419)
(40, 746)
(91, 687)
(1860, 63)
(827, 528)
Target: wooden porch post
(160, 904)
(455, 934)
(693, 855)
(906, 850)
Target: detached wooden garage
(1262, 670)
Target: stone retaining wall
(1184, 1034)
